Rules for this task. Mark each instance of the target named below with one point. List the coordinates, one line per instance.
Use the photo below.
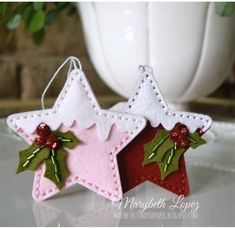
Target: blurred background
(26, 67)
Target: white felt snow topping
(76, 102)
(148, 101)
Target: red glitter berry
(181, 129)
(40, 141)
(179, 135)
(174, 135)
(52, 142)
(43, 130)
(182, 142)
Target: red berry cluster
(179, 135)
(45, 137)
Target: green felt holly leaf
(55, 159)
(68, 139)
(32, 157)
(62, 171)
(162, 150)
(173, 165)
(196, 140)
(156, 149)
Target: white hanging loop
(148, 69)
(141, 68)
(145, 69)
(74, 64)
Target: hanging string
(145, 68)
(74, 64)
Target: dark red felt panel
(133, 173)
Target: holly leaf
(196, 140)
(67, 136)
(174, 164)
(156, 149)
(44, 153)
(60, 160)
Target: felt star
(143, 159)
(102, 135)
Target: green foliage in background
(225, 8)
(34, 15)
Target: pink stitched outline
(110, 154)
(74, 179)
(167, 112)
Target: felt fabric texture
(148, 102)
(92, 164)
(162, 150)
(134, 173)
(162, 154)
(196, 140)
(40, 157)
(103, 134)
(74, 141)
(56, 169)
(76, 102)
(61, 162)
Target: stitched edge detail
(161, 183)
(73, 180)
(56, 108)
(169, 113)
(163, 105)
(99, 111)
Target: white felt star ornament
(103, 134)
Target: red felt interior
(133, 173)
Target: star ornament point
(156, 154)
(102, 135)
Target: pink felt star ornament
(102, 135)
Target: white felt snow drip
(148, 101)
(76, 102)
